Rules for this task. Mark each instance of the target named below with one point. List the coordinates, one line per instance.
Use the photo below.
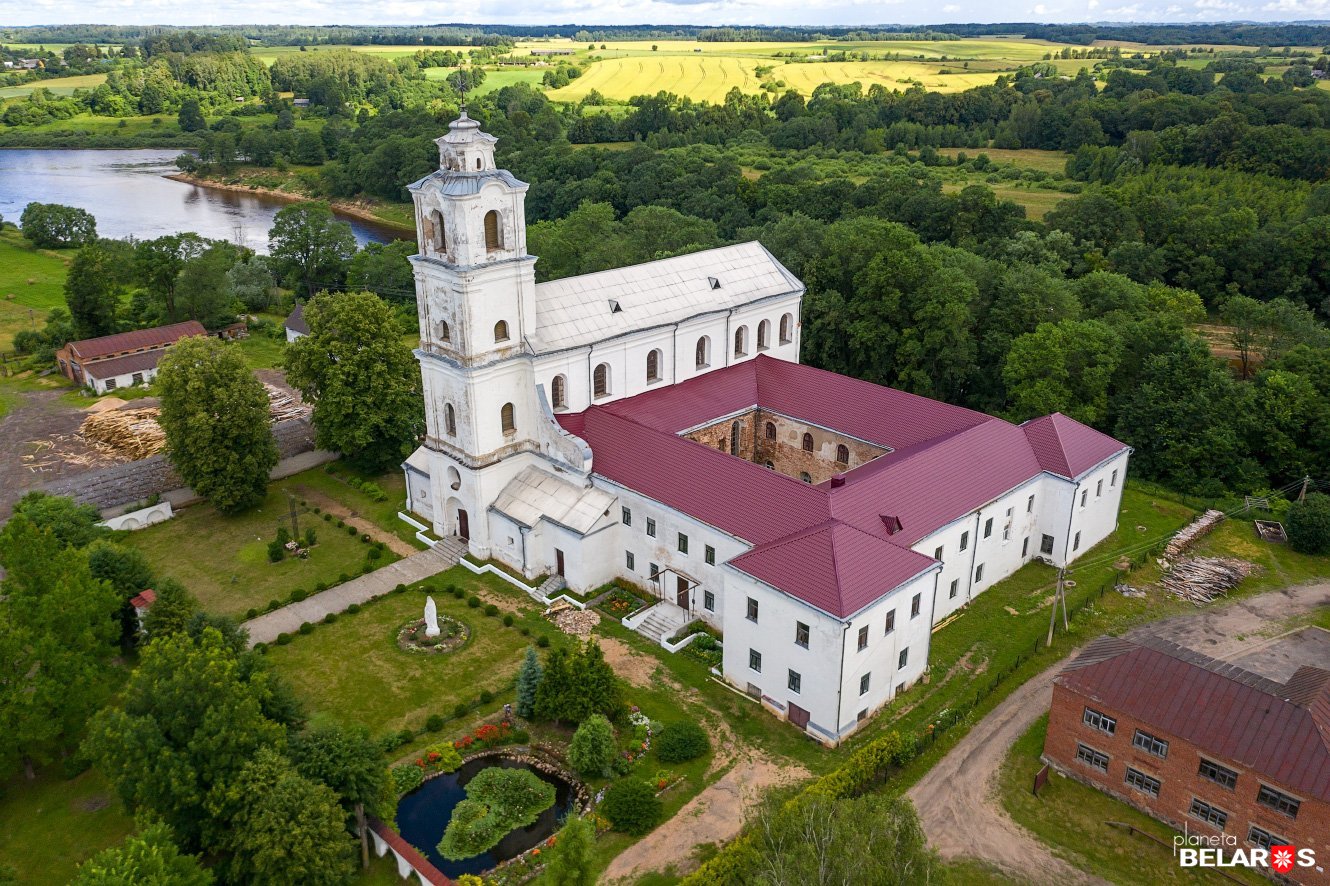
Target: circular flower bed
(452, 634)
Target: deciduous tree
(310, 247)
(150, 858)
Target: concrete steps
(662, 622)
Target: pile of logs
(133, 433)
(1188, 535)
(1202, 579)
(283, 406)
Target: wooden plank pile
(1188, 535)
(130, 433)
(1202, 579)
(1271, 531)
(282, 406)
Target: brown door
(798, 716)
(558, 561)
(681, 591)
(463, 526)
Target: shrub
(330, 618)
(282, 535)
(543, 642)
(473, 601)
(434, 723)
(341, 524)
(364, 539)
(343, 578)
(508, 620)
(311, 537)
(327, 518)
(374, 553)
(353, 609)
(367, 568)
(306, 628)
(321, 586)
(407, 777)
(460, 709)
(399, 589)
(297, 595)
(458, 593)
(631, 805)
(351, 530)
(592, 749)
(498, 801)
(405, 735)
(1308, 524)
(275, 551)
(251, 612)
(283, 639)
(453, 589)
(318, 510)
(486, 696)
(261, 648)
(681, 741)
(491, 610)
(274, 604)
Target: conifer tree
(528, 681)
(571, 862)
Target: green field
(32, 281)
(57, 85)
(269, 54)
(52, 825)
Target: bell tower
(475, 297)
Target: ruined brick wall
(137, 480)
(784, 451)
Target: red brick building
(123, 359)
(1200, 744)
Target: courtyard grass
(53, 824)
(223, 560)
(333, 484)
(1071, 819)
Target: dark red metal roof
(156, 337)
(126, 365)
(1280, 731)
(1066, 447)
(825, 544)
(424, 867)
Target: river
(128, 193)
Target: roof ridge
(656, 261)
(904, 456)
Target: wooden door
(558, 561)
(681, 591)
(463, 526)
(798, 716)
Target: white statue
(431, 618)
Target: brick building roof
(123, 342)
(126, 365)
(825, 544)
(1279, 730)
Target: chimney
(837, 481)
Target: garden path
(394, 542)
(420, 565)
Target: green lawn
(223, 560)
(1070, 817)
(32, 281)
(51, 825)
(381, 513)
(261, 351)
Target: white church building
(653, 423)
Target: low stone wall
(142, 518)
(137, 480)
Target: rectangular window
(891, 622)
(627, 517)
(1099, 489)
(710, 555)
(1046, 544)
(1278, 801)
(1008, 513)
(1092, 758)
(863, 683)
(988, 527)
(1263, 838)
(651, 527)
(965, 540)
(752, 609)
(801, 634)
(630, 560)
(1207, 813)
(904, 658)
(1006, 533)
(755, 660)
(937, 553)
(979, 573)
(1150, 744)
(863, 638)
(1076, 542)
(1085, 495)
(1025, 547)
(955, 588)
(795, 682)
(1113, 480)
(1095, 720)
(1146, 784)
(683, 543)
(708, 601)
(861, 716)
(653, 571)
(915, 605)
(136, 378)
(110, 384)
(1029, 505)
(1220, 775)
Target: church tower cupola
(465, 148)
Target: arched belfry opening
(493, 230)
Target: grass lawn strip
(51, 825)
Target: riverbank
(387, 215)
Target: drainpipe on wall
(974, 552)
(1071, 517)
(840, 684)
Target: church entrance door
(558, 562)
(681, 591)
(463, 526)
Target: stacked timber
(131, 433)
(1188, 535)
(282, 406)
(1202, 579)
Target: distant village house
(124, 359)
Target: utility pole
(1059, 594)
(1302, 496)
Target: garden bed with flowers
(623, 601)
(412, 637)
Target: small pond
(423, 814)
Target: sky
(695, 12)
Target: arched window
(653, 366)
(439, 241)
(443, 332)
(477, 162)
(493, 236)
(808, 442)
(501, 331)
(741, 341)
(449, 420)
(454, 478)
(843, 454)
(506, 418)
(735, 430)
(559, 392)
(764, 335)
(721, 444)
(771, 466)
(703, 352)
(786, 328)
(771, 430)
(805, 476)
(600, 381)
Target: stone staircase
(551, 587)
(663, 621)
(450, 548)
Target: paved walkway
(289, 618)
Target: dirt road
(957, 800)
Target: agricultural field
(269, 54)
(57, 85)
(32, 282)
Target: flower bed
(452, 635)
(621, 603)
